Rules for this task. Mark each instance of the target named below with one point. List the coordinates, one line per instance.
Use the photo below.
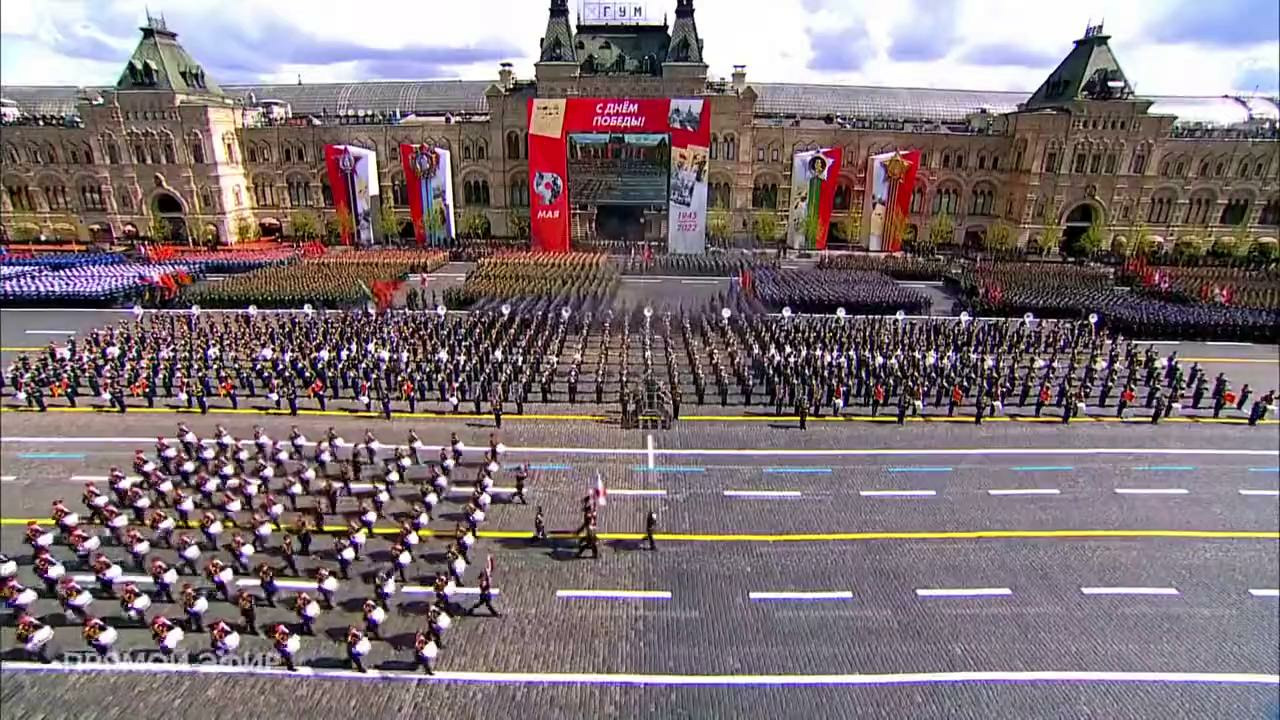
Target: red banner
(552, 120)
(338, 188)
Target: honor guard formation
(211, 539)
(642, 365)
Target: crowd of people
(497, 362)
(209, 519)
(719, 265)
(572, 279)
(899, 267)
(859, 292)
(1168, 309)
(336, 280)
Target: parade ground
(1010, 570)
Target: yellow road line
(1137, 418)
(22, 349)
(834, 536)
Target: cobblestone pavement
(710, 623)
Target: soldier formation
(216, 505)
(640, 362)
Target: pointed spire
(557, 42)
(1089, 72)
(686, 46)
(160, 63)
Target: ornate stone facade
(168, 142)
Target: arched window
(513, 145)
(1111, 164)
(982, 199)
(1219, 169)
(299, 191)
(286, 153)
(263, 192)
(959, 161)
(399, 198)
(730, 147)
(946, 200)
(113, 152)
(197, 149)
(476, 192)
(264, 152)
(300, 153)
(1235, 212)
(1161, 209)
(481, 150)
(721, 195)
(982, 161)
(466, 151)
(252, 151)
(229, 147)
(1204, 168)
(946, 161)
(11, 154)
(1095, 163)
(56, 197)
(518, 191)
(917, 199)
(1180, 170)
(714, 150)
(1244, 169)
(843, 197)
(1198, 210)
(326, 193)
(764, 195)
(1270, 212)
(91, 197)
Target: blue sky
(1165, 47)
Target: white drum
(477, 517)
(56, 571)
(292, 644)
(459, 567)
(242, 455)
(148, 467)
(411, 539)
(190, 438)
(140, 603)
(8, 568)
(141, 548)
(362, 648)
(449, 464)
(187, 505)
(311, 610)
(295, 489)
(25, 598)
(429, 651)
(282, 456)
(501, 448)
(263, 531)
(44, 539)
(226, 575)
(165, 486)
(231, 641)
(232, 506)
(246, 551)
(359, 539)
(404, 559)
(393, 477)
(383, 497)
(207, 454)
(91, 543)
(468, 540)
(493, 467)
(267, 473)
(100, 501)
(169, 577)
(405, 463)
(191, 552)
(309, 474)
(348, 554)
(69, 520)
(112, 573)
(378, 615)
(108, 637)
(443, 621)
(486, 483)
(172, 639)
(215, 528)
(166, 525)
(169, 453)
(326, 457)
(449, 589)
(142, 503)
(199, 607)
(432, 499)
(40, 638)
(329, 584)
(484, 501)
(81, 601)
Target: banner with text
(814, 175)
(687, 121)
(891, 178)
(428, 174)
(353, 180)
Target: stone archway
(1077, 221)
(169, 209)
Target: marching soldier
(425, 650)
(589, 541)
(248, 611)
(357, 647)
(99, 635)
(650, 525)
(539, 527)
(287, 553)
(308, 611)
(486, 595)
(286, 644)
(195, 605)
(522, 476)
(374, 617)
(267, 580)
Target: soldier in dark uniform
(651, 525)
(589, 541)
(248, 611)
(486, 595)
(539, 526)
(522, 476)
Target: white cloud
(772, 37)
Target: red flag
(598, 492)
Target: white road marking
(791, 452)
(625, 491)
(428, 590)
(649, 442)
(615, 594)
(642, 281)
(8, 478)
(763, 493)
(1025, 491)
(1157, 342)
(492, 491)
(1264, 592)
(552, 678)
(798, 595)
(701, 282)
(1272, 493)
(51, 332)
(1221, 343)
(1129, 590)
(963, 592)
(1151, 491)
(897, 493)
